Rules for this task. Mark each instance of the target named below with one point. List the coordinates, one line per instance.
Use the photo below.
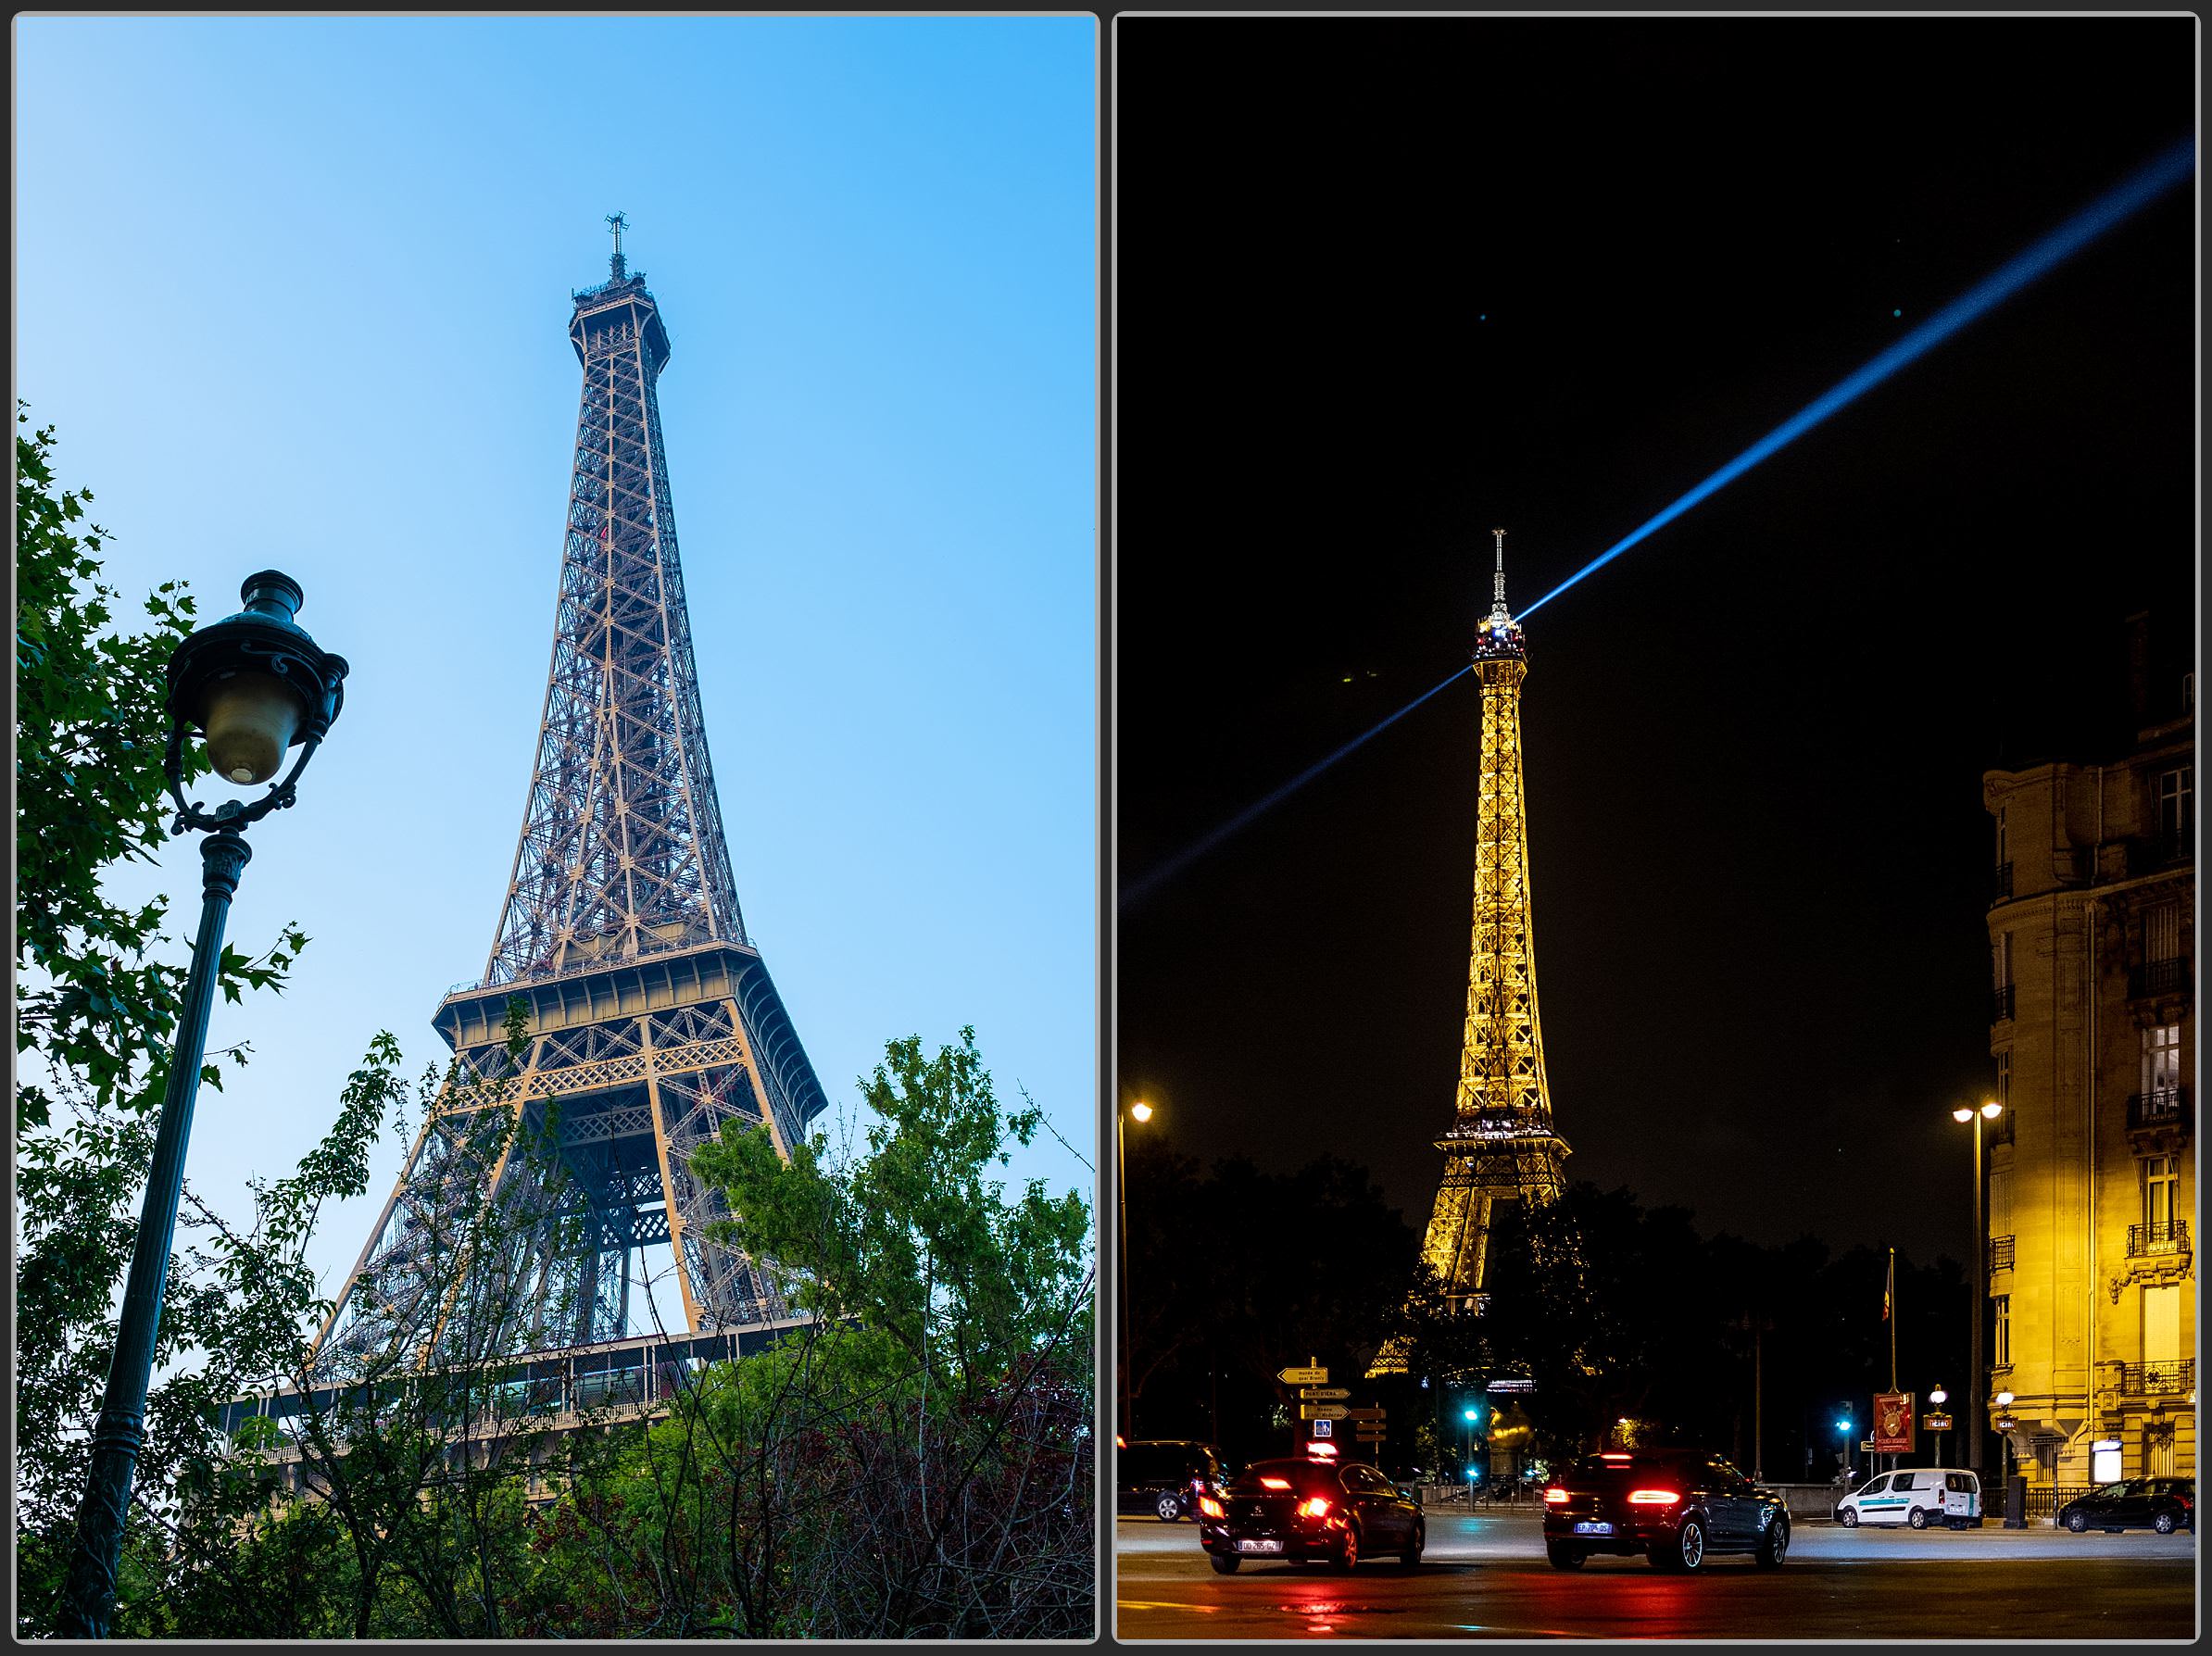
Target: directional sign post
(1305, 1376)
(1319, 1394)
(1322, 1412)
(1368, 1413)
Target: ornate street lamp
(253, 686)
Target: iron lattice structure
(650, 1020)
(1502, 1145)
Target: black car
(1308, 1512)
(1165, 1477)
(1676, 1507)
(2163, 1504)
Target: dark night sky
(1754, 743)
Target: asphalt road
(1484, 1577)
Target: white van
(1919, 1495)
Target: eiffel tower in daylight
(1500, 1145)
(650, 1014)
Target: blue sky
(294, 293)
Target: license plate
(1258, 1547)
(1588, 1528)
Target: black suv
(1677, 1507)
(2163, 1504)
(1311, 1511)
(1165, 1477)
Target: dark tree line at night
(1613, 1309)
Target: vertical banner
(1893, 1423)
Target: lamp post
(1843, 1431)
(1989, 1111)
(253, 685)
(1936, 1398)
(1143, 1112)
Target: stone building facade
(2092, 1168)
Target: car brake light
(1275, 1483)
(1211, 1507)
(1315, 1506)
(1653, 1498)
(1554, 1497)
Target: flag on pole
(1889, 1287)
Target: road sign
(1511, 1383)
(1935, 1422)
(1324, 1393)
(1370, 1435)
(1323, 1413)
(1368, 1413)
(1324, 1428)
(1307, 1376)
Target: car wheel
(1564, 1557)
(2164, 1524)
(1411, 1557)
(1774, 1546)
(1169, 1507)
(1224, 1563)
(2076, 1522)
(1348, 1555)
(1686, 1551)
(1918, 1518)
(1850, 1520)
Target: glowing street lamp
(1143, 1112)
(1987, 1111)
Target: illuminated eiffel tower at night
(1501, 1147)
(650, 1014)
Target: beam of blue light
(1192, 853)
(2169, 168)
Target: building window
(2001, 961)
(2160, 1177)
(2004, 855)
(2004, 1078)
(2161, 1059)
(2176, 805)
(2001, 1328)
(2162, 932)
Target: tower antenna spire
(617, 222)
(1498, 610)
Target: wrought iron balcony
(2169, 1235)
(2158, 977)
(2000, 1253)
(2001, 884)
(2154, 1379)
(2161, 1107)
(2001, 1004)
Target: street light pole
(255, 685)
(1143, 1112)
(1978, 1404)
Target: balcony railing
(2000, 1253)
(2168, 1236)
(2161, 1107)
(2152, 1379)
(2001, 884)
(2001, 1004)
(2158, 977)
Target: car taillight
(1313, 1507)
(1211, 1507)
(1653, 1498)
(1275, 1483)
(1554, 1497)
